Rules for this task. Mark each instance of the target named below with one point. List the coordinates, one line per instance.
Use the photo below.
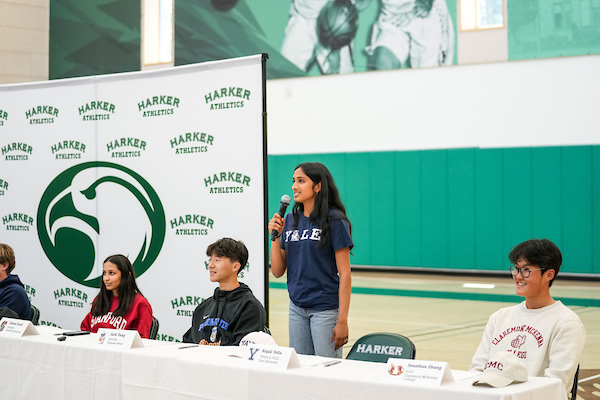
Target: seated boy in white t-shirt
(542, 332)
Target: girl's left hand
(340, 334)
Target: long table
(40, 367)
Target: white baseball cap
(503, 369)
(258, 338)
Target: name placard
(119, 339)
(272, 357)
(16, 327)
(413, 372)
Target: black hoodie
(13, 296)
(226, 317)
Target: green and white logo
(96, 209)
(3, 187)
(227, 97)
(171, 102)
(227, 182)
(192, 142)
(36, 115)
(13, 147)
(101, 109)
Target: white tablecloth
(213, 373)
(40, 367)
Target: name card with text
(16, 327)
(413, 372)
(118, 339)
(272, 357)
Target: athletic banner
(152, 165)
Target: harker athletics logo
(3, 117)
(171, 102)
(3, 187)
(37, 115)
(101, 108)
(99, 206)
(225, 98)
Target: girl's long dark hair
(328, 198)
(127, 289)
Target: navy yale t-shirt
(312, 278)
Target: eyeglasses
(524, 271)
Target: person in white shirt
(543, 333)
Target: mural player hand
(422, 8)
(333, 59)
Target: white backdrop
(153, 165)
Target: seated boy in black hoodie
(233, 311)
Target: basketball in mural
(337, 24)
(223, 5)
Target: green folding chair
(35, 315)
(154, 328)
(575, 383)
(378, 347)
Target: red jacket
(139, 318)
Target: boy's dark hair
(235, 250)
(540, 252)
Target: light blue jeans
(310, 331)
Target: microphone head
(285, 199)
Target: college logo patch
(99, 205)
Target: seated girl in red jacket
(120, 304)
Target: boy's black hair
(540, 252)
(235, 250)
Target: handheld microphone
(285, 202)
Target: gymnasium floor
(444, 319)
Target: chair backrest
(575, 383)
(35, 315)
(378, 347)
(154, 328)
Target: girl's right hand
(276, 224)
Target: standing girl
(313, 245)
(120, 304)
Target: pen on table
(329, 364)
(190, 346)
